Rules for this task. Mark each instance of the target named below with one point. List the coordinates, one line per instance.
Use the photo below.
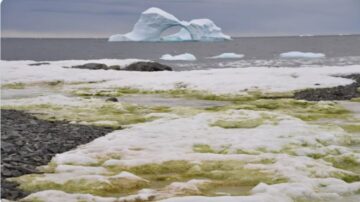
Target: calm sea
(258, 51)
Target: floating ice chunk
(154, 21)
(228, 56)
(185, 56)
(297, 54)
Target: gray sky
(101, 18)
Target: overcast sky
(101, 18)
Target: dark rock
(147, 67)
(138, 66)
(28, 142)
(337, 93)
(8, 190)
(91, 66)
(39, 63)
(115, 67)
(112, 99)
(7, 147)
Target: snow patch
(60, 196)
(82, 170)
(308, 178)
(220, 81)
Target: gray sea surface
(258, 51)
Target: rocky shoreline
(27, 142)
(137, 66)
(336, 93)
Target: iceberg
(205, 30)
(154, 21)
(297, 54)
(185, 56)
(228, 56)
(182, 35)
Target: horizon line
(244, 36)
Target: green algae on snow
(101, 114)
(204, 148)
(251, 100)
(305, 110)
(347, 162)
(227, 172)
(249, 123)
(246, 122)
(17, 85)
(32, 199)
(351, 128)
(182, 92)
(112, 186)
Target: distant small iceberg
(297, 54)
(228, 56)
(185, 57)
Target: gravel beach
(27, 142)
(336, 93)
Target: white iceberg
(228, 56)
(182, 35)
(154, 21)
(205, 30)
(297, 54)
(185, 56)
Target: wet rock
(137, 66)
(114, 67)
(8, 190)
(91, 66)
(147, 67)
(28, 142)
(112, 99)
(39, 64)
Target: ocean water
(258, 51)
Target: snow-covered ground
(279, 150)
(221, 81)
(253, 150)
